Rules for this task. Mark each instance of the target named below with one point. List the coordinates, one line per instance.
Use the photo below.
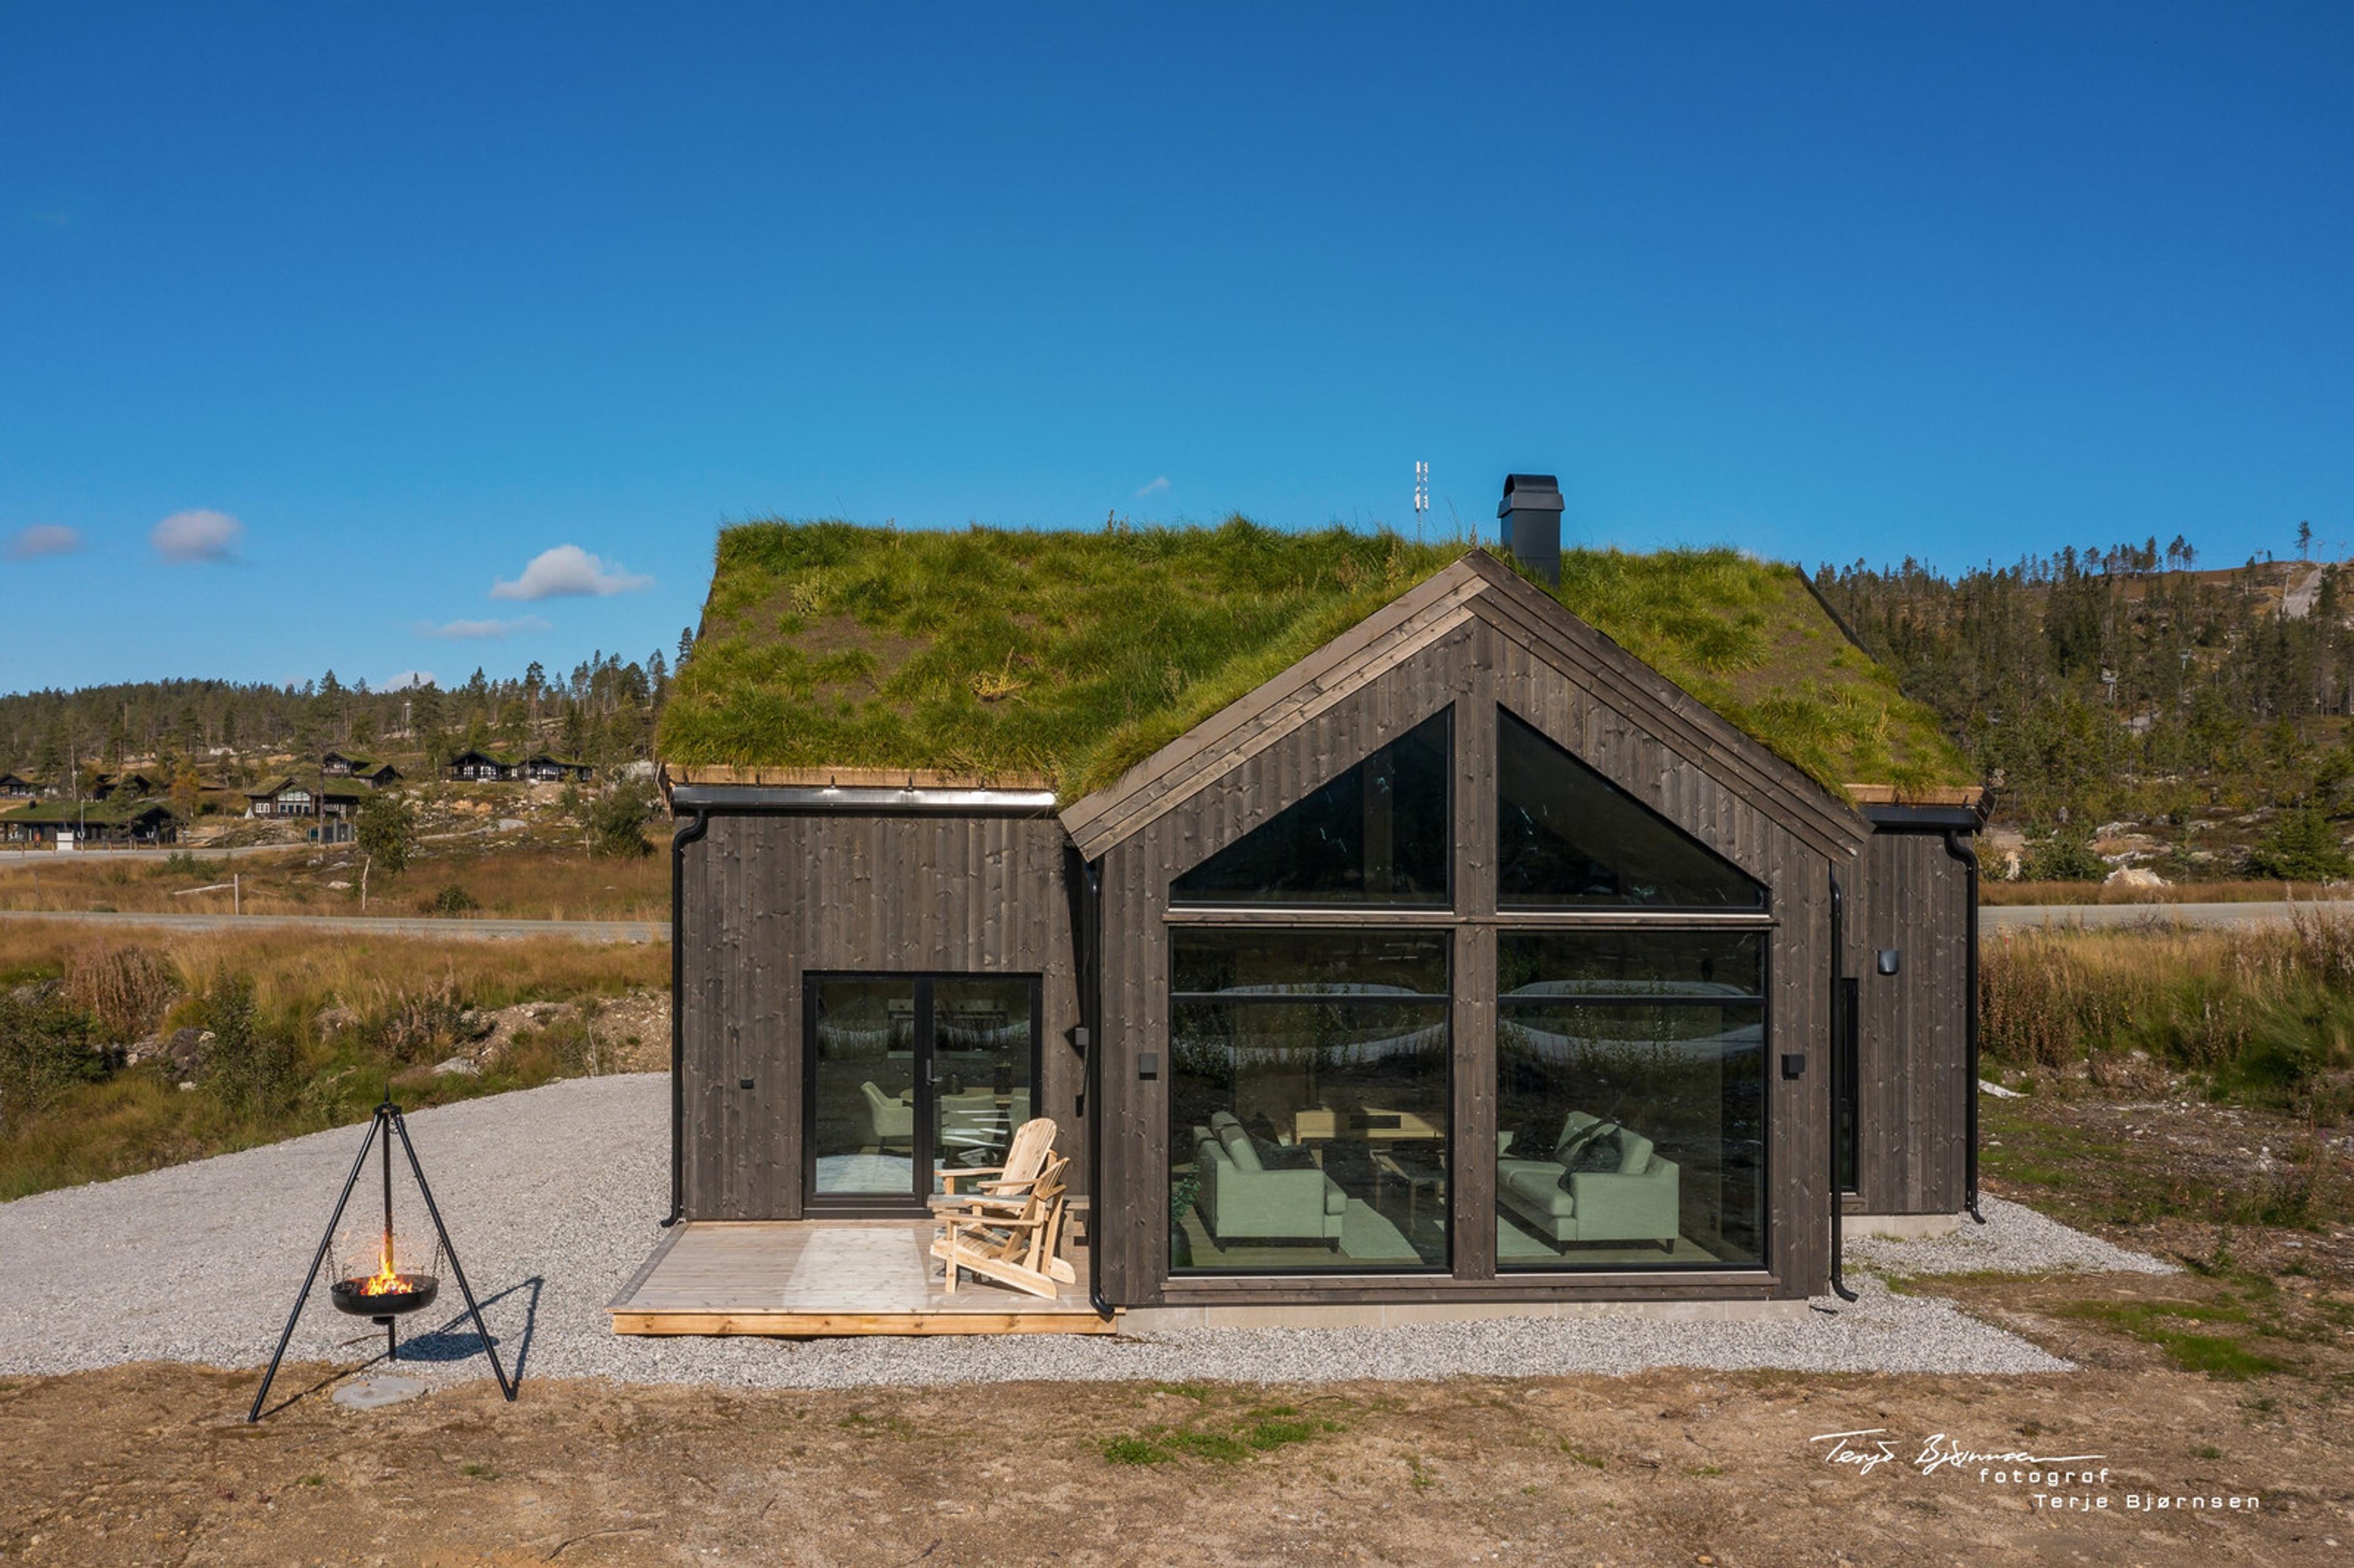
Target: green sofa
(1637, 1201)
(1241, 1200)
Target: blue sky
(316, 325)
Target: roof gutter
(863, 800)
(1957, 846)
(1843, 1022)
(688, 833)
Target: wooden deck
(826, 1278)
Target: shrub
(413, 1025)
(45, 1049)
(2300, 847)
(2063, 857)
(616, 822)
(248, 1067)
(454, 900)
(123, 990)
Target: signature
(1867, 1449)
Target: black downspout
(1961, 851)
(1091, 1009)
(686, 834)
(1841, 1023)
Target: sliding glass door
(908, 1074)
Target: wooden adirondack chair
(1019, 1248)
(1003, 1187)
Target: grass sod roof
(1016, 654)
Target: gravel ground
(2014, 1240)
(552, 1197)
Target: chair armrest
(948, 1179)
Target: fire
(384, 1281)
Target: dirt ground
(155, 1465)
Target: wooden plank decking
(824, 1277)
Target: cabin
(17, 786)
(291, 796)
(473, 767)
(1383, 934)
(106, 786)
(119, 823)
(344, 765)
(541, 768)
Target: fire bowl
(414, 1292)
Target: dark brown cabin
(1467, 960)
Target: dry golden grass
(528, 883)
(398, 994)
(2244, 891)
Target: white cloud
(199, 535)
(475, 629)
(1155, 488)
(408, 680)
(42, 539)
(569, 572)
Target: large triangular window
(1377, 834)
(1567, 837)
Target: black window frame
(1402, 923)
(871, 1205)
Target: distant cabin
(479, 767)
(17, 786)
(280, 796)
(108, 785)
(542, 769)
(337, 799)
(374, 774)
(67, 824)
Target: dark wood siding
(1911, 896)
(769, 897)
(1457, 651)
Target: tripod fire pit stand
(388, 1295)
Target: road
(463, 931)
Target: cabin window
(1567, 837)
(1308, 1100)
(1377, 834)
(1630, 1099)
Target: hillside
(1068, 657)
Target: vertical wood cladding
(1912, 897)
(1473, 661)
(769, 898)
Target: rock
(375, 1392)
(458, 1066)
(339, 886)
(2134, 877)
(1988, 1087)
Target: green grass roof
(1071, 656)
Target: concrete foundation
(1901, 1227)
(1393, 1315)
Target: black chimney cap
(1529, 493)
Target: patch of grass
(1136, 1451)
(1215, 1435)
(1591, 1461)
(1072, 656)
(473, 1471)
(2206, 1451)
(2158, 1323)
(313, 1481)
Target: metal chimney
(1530, 510)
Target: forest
(2125, 683)
(603, 713)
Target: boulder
(2134, 877)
